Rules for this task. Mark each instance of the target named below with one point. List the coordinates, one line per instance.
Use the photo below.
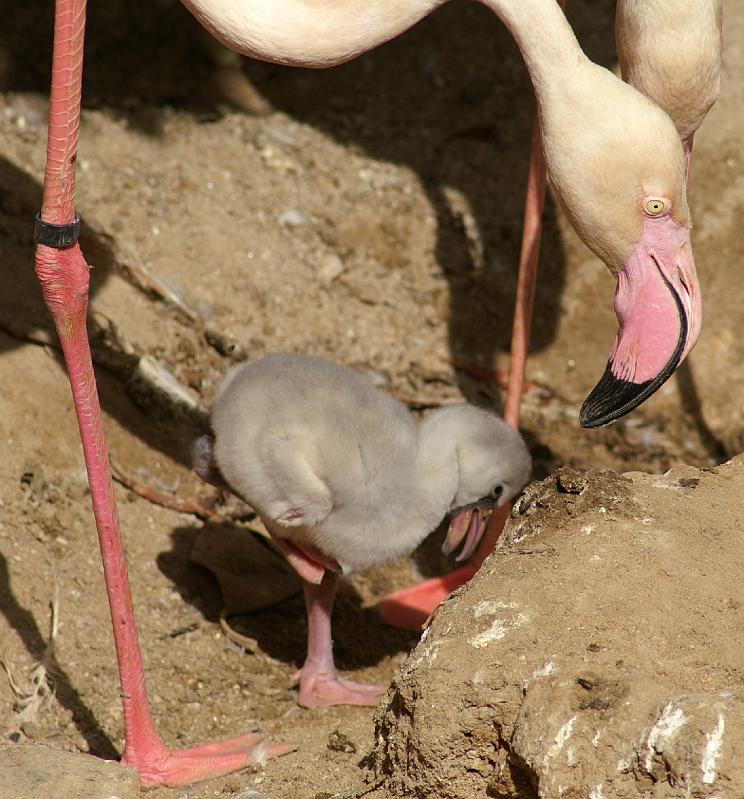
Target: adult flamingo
(616, 164)
(669, 50)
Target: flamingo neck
(545, 39)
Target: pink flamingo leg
(410, 608)
(320, 683)
(63, 274)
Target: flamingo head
(492, 463)
(618, 168)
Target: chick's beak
(658, 306)
(467, 522)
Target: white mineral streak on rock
(712, 751)
(499, 627)
(597, 792)
(544, 671)
(497, 630)
(490, 607)
(669, 724)
(563, 734)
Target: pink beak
(658, 306)
(467, 523)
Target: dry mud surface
(371, 214)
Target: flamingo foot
(158, 765)
(324, 689)
(409, 608)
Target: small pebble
(338, 742)
(292, 218)
(331, 267)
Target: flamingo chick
(344, 479)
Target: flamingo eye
(497, 491)
(656, 206)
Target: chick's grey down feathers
(331, 463)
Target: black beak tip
(613, 398)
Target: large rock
(32, 771)
(598, 654)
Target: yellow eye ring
(656, 206)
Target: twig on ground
(113, 352)
(159, 380)
(145, 280)
(168, 501)
(244, 641)
(103, 247)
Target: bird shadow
(360, 639)
(692, 405)
(24, 623)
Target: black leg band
(58, 236)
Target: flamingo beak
(468, 522)
(658, 306)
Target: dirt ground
(369, 213)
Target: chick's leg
(320, 683)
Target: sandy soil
(369, 213)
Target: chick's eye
(656, 206)
(497, 491)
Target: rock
(39, 772)
(597, 654)
(330, 267)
